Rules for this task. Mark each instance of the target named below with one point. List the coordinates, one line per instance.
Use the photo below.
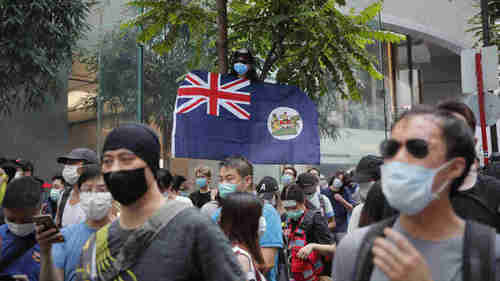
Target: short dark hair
(164, 178)
(293, 192)
(313, 169)
(177, 181)
(239, 163)
(240, 207)
(22, 193)
(291, 169)
(58, 177)
(28, 167)
(90, 171)
(458, 138)
(459, 108)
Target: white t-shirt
(252, 274)
(355, 216)
(184, 199)
(73, 214)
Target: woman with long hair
(240, 217)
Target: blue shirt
(272, 238)
(66, 255)
(340, 211)
(28, 263)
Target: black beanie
(139, 139)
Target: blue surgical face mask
(226, 188)
(337, 183)
(286, 179)
(55, 194)
(201, 182)
(294, 215)
(240, 68)
(408, 188)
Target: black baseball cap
(85, 154)
(368, 169)
(308, 182)
(25, 165)
(266, 187)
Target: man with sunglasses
(427, 158)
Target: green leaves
(36, 39)
(476, 24)
(307, 43)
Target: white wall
(439, 21)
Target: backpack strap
(479, 252)
(322, 204)
(141, 238)
(364, 261)
(62, 205)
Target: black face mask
(126, 186)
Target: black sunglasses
(419, 148)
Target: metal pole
(101, 85)
(482, 117)
(486, 22)
(479, 75)
(382, 70)
(140, 80)
(409, 45)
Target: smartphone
(6, 277)
(46, 222)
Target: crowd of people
(422, 210)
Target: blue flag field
(221, 115)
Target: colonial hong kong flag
(221, 115)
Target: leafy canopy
(477, 27)
(299, 42)
(36, 38)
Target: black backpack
(478, 252)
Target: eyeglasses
(419, 148)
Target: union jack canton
(215, 94)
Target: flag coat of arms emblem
(221, 115)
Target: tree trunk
(222, 35)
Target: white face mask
(70, 174)
(20, 230)
(96, 205)
(314, 199)
(18, 174)
(408, 187)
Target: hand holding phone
(47, 231)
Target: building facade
(423, 68)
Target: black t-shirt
(199, 199)
(190, 247)
(480, 203)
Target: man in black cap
(24, 168)
(69, 211)
(366, 174)
(153, 238)
(267, 190)
(309, 183)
